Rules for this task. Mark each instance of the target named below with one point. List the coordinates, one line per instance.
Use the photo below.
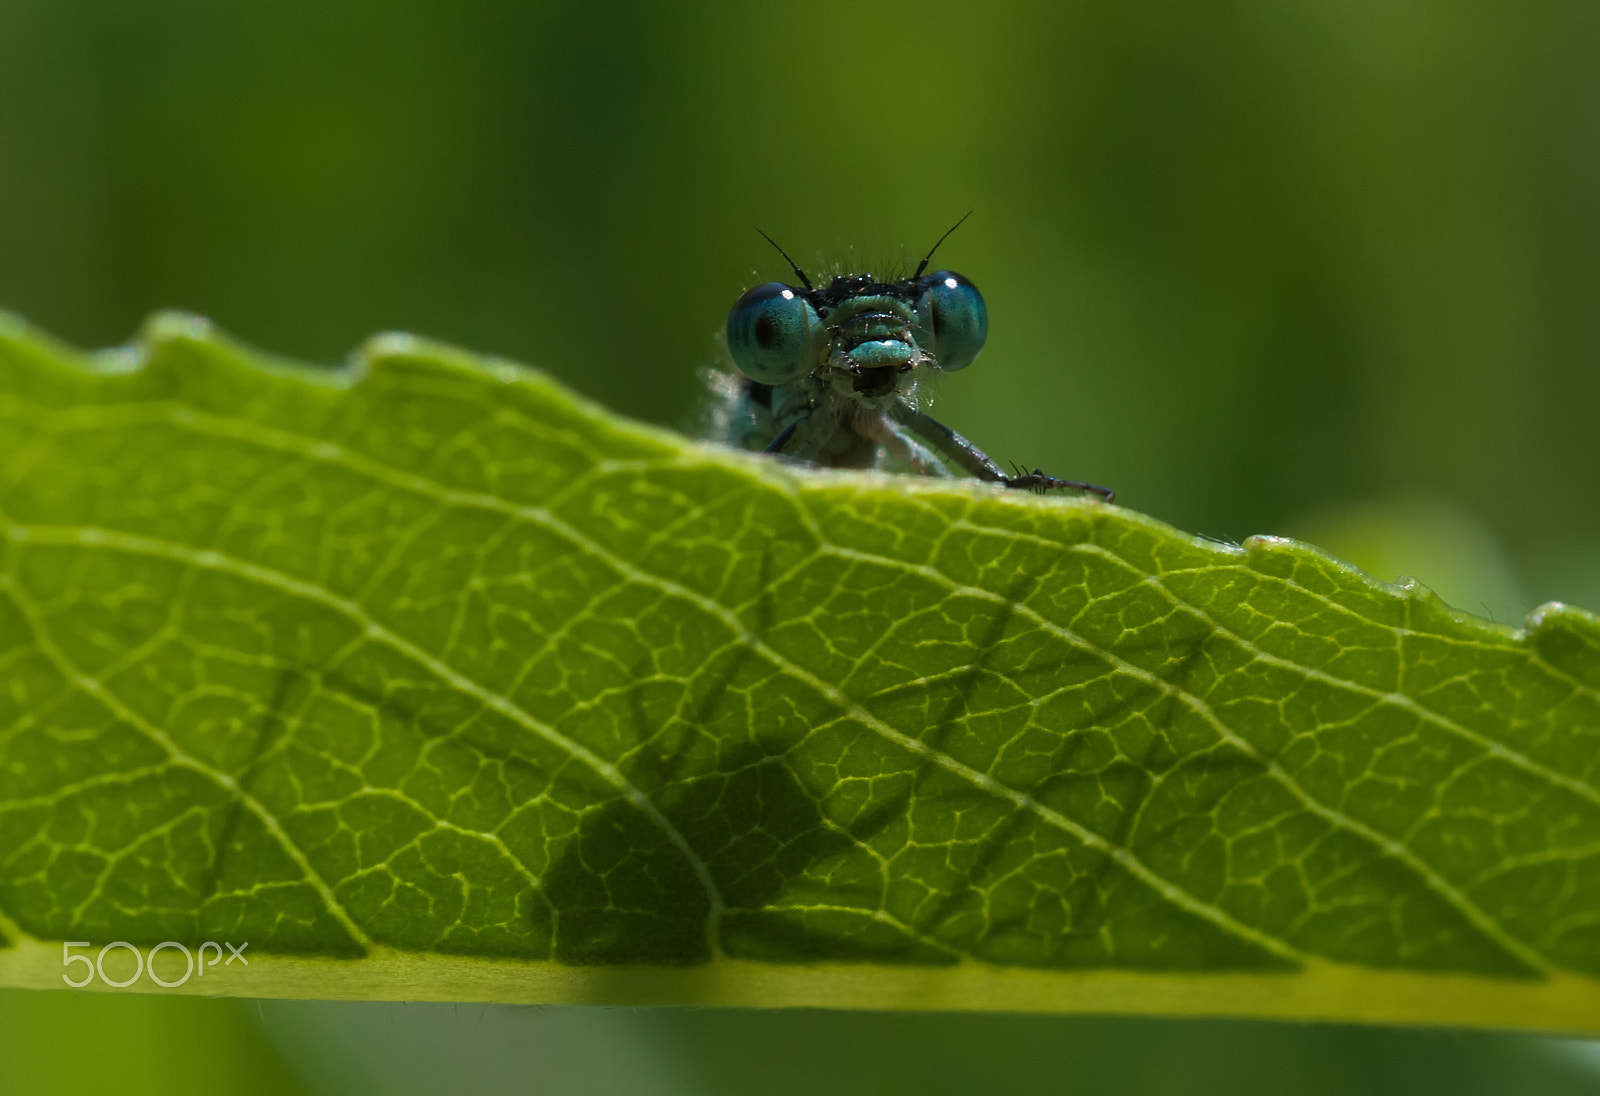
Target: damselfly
(831, 375)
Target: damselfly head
(860, 335)
(831, 374)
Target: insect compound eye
(774, 334)
(952, 322)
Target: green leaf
(427, 679)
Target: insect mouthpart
(877, 382)
(877, 357)
(873, 335)
(897, 354)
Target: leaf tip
(1567, 638)
(164, 328)
(1265, 543)
(400, 351)
(1558, 614)
(386, 346)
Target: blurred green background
(1312, 269)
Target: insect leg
(903, 446)
(1037, 480)
(948, 442)
(802, 438)
(779, 443)
(968, 456)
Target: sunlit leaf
(427, 679)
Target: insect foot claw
(1037, 481)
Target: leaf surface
(428, 679)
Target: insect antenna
(923, 265)
(801, 274)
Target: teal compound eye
(952, 321)
(774, 334)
